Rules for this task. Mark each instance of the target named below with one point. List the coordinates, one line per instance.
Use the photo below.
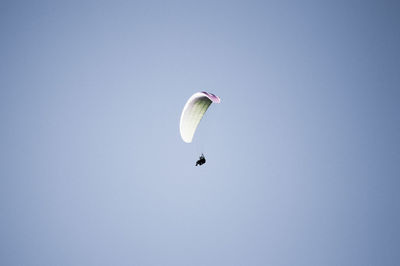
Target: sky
(303, 152)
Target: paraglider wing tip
(214, 98)
(187, 141)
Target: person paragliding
(192, 113)
(201, 160)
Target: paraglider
(201, 160)
(192, 113)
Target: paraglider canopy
(193, 112)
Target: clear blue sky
(303, 153)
